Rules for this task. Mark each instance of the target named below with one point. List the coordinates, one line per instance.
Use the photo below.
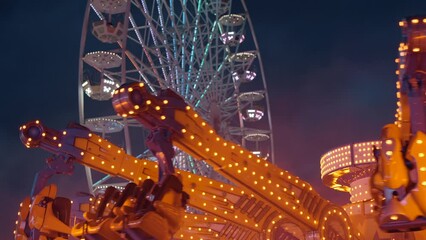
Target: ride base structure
(262, 202)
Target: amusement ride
(186, 152)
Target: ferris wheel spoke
(139, 65)
(143, 46)
(155, 37)
(191, 46)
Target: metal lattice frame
(203, 50)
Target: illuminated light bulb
(163, 117)
(124, 115)
(148, 102)
(423, 169)
(415, 21)
(93, 158)
(416, 49)
(103, 162)
(130, 89)
(122, 90)
(394, 217)
(388, 142)
(141, 84)
(203, 124)
(157, 108)
(112, 166)
(64, 132)
(207, 149)
(200, 143)
(424, 183)
(54, 138)
(59, 145)
(131, 112)
(165, 101)
(421, 155)
(419, 141)
(187, 107)
(217, 139)
(192, 137)
(389, 153)
(195, 115)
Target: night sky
(329, 67)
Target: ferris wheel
(206, 51)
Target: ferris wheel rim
(239, 59)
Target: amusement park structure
(386, 178)
(179, 74)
